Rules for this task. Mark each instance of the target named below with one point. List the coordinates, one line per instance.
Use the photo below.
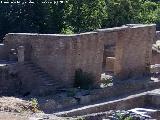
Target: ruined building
(46, 62)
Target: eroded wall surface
(133, 51)
(62, 55)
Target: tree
(55, 16)
(122, 12)
(74, 16)
(85, 15)
(39, 16)
(149, 12)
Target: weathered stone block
(110, 64)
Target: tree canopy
(74, 16)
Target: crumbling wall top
(114, 29)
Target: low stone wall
(120, 104)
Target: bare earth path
(18, 116)
(12, 108)
(12, 116)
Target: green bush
(120, 116)
(67, 30)
(34, 105)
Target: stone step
(33, 65)
(38, 72)
(35, 68)
(47, 84)
(46, 88)
(28, 62)
(51, 80)
(45, 76)
(50, 83)
(41, 74)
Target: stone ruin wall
(109, 37)
(133, 51)
(61, 55)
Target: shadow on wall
(108, 59)
(83, 80)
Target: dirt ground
(12, 116)
(12, 108)
(19, 116)
(13, 104)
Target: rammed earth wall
(133, 51)
(61, 55)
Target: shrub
(34, 105)
(120, 116)
(67, 30)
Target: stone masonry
(61, 55)
(133, 51)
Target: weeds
(34, 105)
